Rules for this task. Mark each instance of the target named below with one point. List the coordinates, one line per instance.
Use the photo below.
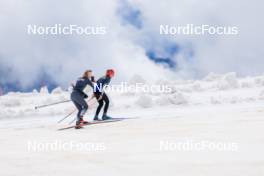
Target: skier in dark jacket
(101, 95)
(78, 96)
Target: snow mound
(197, 86)
(259, 81)
(57, 90)
(215, 100)
(144, 101)
(163, 100)
(44, 90)
(212, 77)
(11, 102)
(178, 99)
(229, 81)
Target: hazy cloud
(23, 57)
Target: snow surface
(219, 108)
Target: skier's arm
(89, 82)
(93, 79)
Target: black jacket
(100, 83)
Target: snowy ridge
(213, 89)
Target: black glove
(85, 96)
(92, 79)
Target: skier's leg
(106, 100)
(74, 98)
(80, 104)
(78, 107)
(101, 103)
(84, 107)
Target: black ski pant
(102, 101)
(80, 103)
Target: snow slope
(222, 113)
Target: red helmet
(110, 73)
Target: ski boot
(96, 118)
(79, 125)
(83, 121)
(106, 117)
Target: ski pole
(66, 116)
(43, 106)
(72, 121)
